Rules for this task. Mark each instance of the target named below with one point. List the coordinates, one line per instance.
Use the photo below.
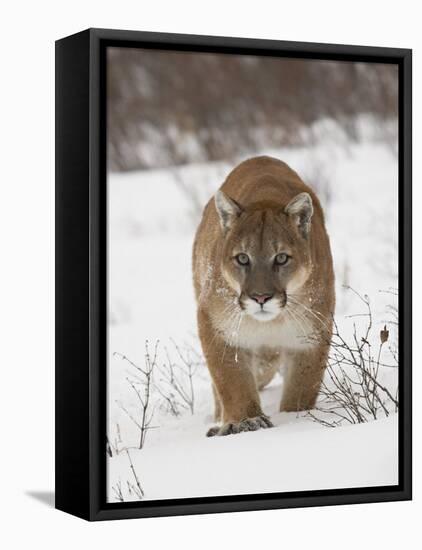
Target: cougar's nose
(261, 298)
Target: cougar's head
(266, 252)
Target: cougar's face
(266, 258)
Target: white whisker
(297, 321)
(316, 314)
(232, 320)
(237, 334)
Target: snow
(151, 228)
(296, 455)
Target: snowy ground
(151, 226)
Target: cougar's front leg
(302, 379)
(233, 382)
(217, 405)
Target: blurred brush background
(172, 108)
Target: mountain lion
(264, 285)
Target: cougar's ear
(228, 210)
(300, 209)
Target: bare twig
(138, 485)
(144, 397)
(117, 490)
(352, 391)
(177, 387)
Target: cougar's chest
(242, 331)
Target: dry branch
(352, 391)
(142, 388)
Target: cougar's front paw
(246, 425)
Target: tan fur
(265, 209)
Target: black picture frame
(81, 273)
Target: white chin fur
(267, 313)
(263, 315)
(252, 330)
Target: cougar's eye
(242, 259)
(281, 259)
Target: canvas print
(252, 274)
